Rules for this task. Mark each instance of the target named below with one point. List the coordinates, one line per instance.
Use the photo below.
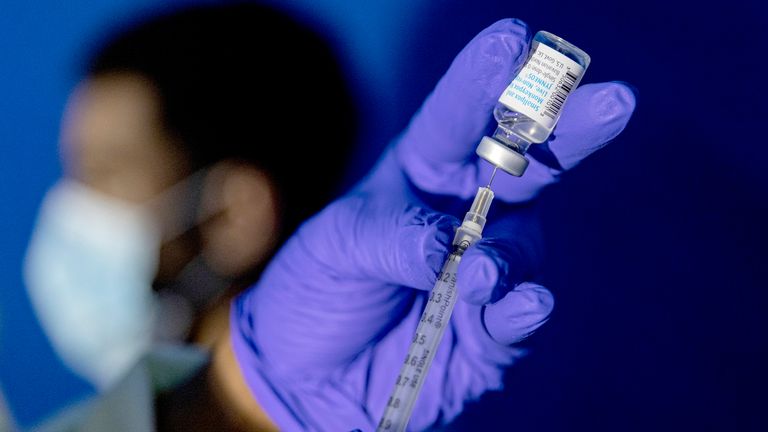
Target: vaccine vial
(531, 105)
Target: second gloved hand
(321, 338)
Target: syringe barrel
(434, 320)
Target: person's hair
(244, 82)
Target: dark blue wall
(656, 245)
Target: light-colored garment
(129, 405)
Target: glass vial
(532, 103)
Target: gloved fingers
(443, 134)
(519, 313)
(492, 268)
(510, 253)
(338, 283)
(455, 116)
(593, 115)
(360, 237)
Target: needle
(492, 176)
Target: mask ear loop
(193, 290)
(196, 286)
(181, 203)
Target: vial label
(540, 89)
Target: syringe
(519, 126)
(434, 320)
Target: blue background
(656, 245)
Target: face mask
(89, 271)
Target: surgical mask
(89, 270)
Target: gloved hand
(321, 338)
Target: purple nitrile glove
(321, 338)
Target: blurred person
(196, 141)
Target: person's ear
(245, 228)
